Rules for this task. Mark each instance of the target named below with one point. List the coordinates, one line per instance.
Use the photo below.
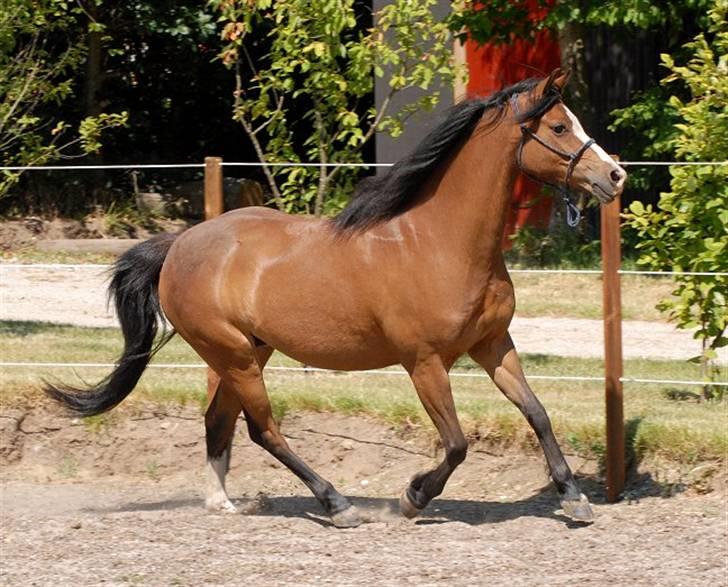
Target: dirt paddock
(119, 503)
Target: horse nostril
(617, 175)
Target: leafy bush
(37, 66)
(688, 229)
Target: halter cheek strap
(573, 214)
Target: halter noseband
(573, 214)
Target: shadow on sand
(543, 503)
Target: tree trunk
(92, 86)
(571, 42)
(94, 62)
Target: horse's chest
(462, 318)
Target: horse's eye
(559, 129)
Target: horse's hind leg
(242, 375)
(432, 383)
(500, 360)
(222, 412)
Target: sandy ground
(120, 505)
(78, 296)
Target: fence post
(613, 369)
(213, 187)
(213, 207)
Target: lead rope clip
(573, 214)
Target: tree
(689, 229)
(156, 63)
(38, 60)
(499, 21)
(318, 60)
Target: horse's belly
(313, 310)
(331, 350)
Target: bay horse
(411, 272)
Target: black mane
(382, 197)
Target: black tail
(134, 289)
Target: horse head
(555, 150)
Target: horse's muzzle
(607, 186)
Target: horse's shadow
(542, 503)
(440, 511)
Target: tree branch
(278, 110)
(323, 159)
(256, 143)
(378, 117)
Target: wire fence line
(332, 165)
(102, 267)
(380, 372)
(11, 168)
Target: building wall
(388, 149)
(494, 67)
(491, 69)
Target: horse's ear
(561, 79)
(558, 79)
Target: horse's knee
(272, 441)
(255, 435)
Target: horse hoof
(221, 506)
(578, 510)
(349, 518)
(408, 509)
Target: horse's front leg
(500, 360)
(432, 383)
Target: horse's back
(284, 279)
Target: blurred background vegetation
(152, 81)
(162, 81)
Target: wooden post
(611, 255)
(213, 207)
(213, 187)
(460, 57)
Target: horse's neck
(468, 200)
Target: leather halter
(573, 214)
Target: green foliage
(689, 228)
(651, 120)
(499, 21)
(635, 14)
(320, 61)
(560, 247)
(38, 60)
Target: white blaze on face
(579, 133)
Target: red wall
(495, 67)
